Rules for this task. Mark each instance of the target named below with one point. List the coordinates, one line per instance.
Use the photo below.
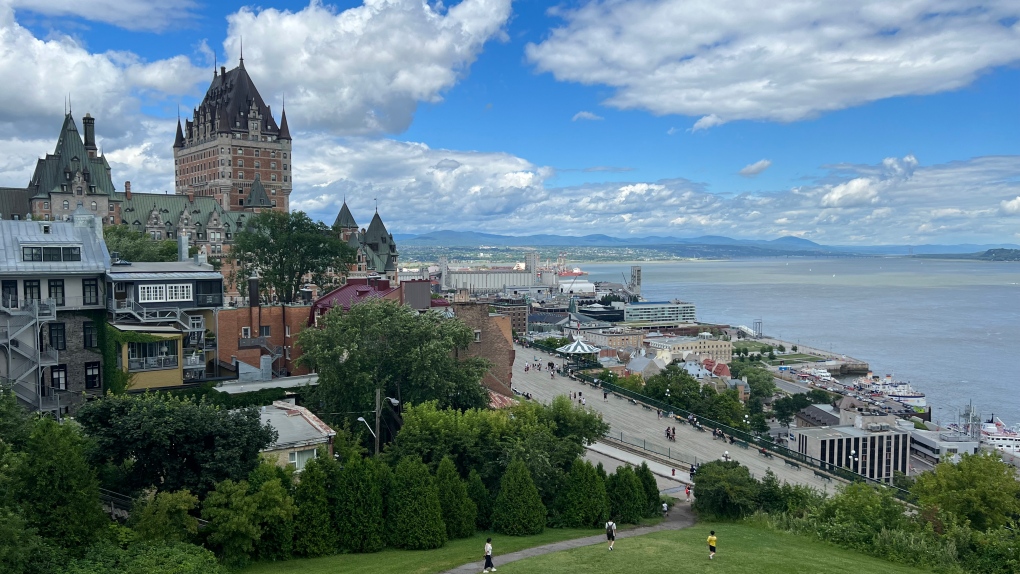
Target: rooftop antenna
(69, 111)
(376, 199)
(242, 49)
(215, 63)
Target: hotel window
(245, 332)
(111, 208)
(273, 177)
(32, 292)
(95, 206)
(258, 164)
(51, 254)
(89, 335)
(57, 291)
(240, 175)
(46, 205)
(264, 331)
(240, 163)
(92, 380)
(151, 293)
(58, 377)
(58, 340)
(179, 292)
(67, 204)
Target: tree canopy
(168, 443)
(980, 488)
(138, 246)
(380, 343)
(284, 248)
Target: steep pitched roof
(174, 211)
(69, 158)
(179, 139)
(284, 129)
(258, 196)
(229, 98)
(378, 247)
(344, 220)
(14, 201)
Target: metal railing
(152, 363)
(192, 361)
(250, 342)
(43, 309)
(209, 300)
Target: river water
(950, 328)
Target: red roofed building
(717, 369)
(355, 291)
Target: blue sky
(858, 122)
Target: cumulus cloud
(1011, 206)
(582, 115)
(784, 60)
(128, 14)
(363, 71)
(854, 193)
(755, 168)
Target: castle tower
(232, 139)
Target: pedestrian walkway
(680, 517)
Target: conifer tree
(626, 495)
(415, 520)
(314, 532)
(602, 471)
(584, 503)
(650, 490)
(519, 510)
(482, 498)
(459, 511)
(359, 507)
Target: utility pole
(378, 412)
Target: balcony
(49, 357)
(45, 309)
(194, 361)
(252, 342)
(152, 363)
(213, 300)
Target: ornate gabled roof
(70, 159)
(229, 99)
(257, 197)
(378, 246)
(174, 211)
(344, 220)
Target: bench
(823, 476)
(700, 428)
(742, 444)
(791, 463)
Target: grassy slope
(742, 550)
(455, 553)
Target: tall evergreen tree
(602, 471)
(482, 498)
(459, 511)
(56, 488)
(314, 533)
(650, 489)
(584, 502)
(626, 495)
(359, 507)
(415, 517)
(519, 510)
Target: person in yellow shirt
(711, 544)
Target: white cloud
(582, 115)
(755, 168)
(1011, 206)
(129, 14)
(854, 193)
(364, 70)
(783, 60)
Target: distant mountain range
(787, 244)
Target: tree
(161, 441)
(980, 488)
(759, 424)
(725, 490)
(794, 348)
(782, 348)
(519, 510)
(22, 550)
(314, 533)
(381, 343)
(785, 408)
(459, 511)
(584, 503)
(275, 517)
(166, 517)
(284, 248)
(857, 514)
(15, 422)
(415, 518)
(358, 513)
(627, 499)
(482, 498)
(650, 489)
(56, 488)
(633, 382)
(138, 246)
(239, 519)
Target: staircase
(19, 335)
(133, 311)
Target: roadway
(638, 424)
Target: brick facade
(493, 341)
(279, 319)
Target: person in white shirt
(611, 533)
(488, 556)
(665, 509)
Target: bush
(166, 517)
(459, 510)
(240, 520)
(358, 513)
(650, 488)
(626, 495)
(415, 518)
(725, 490)
(482, 499)
(314, 533)
(584, 503)
(519, 510)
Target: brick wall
(277, 317)
(493, 342)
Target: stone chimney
(127, 190)
(191, 196)
(89, 124)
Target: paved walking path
(639, 424)
(680, 517)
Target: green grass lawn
(455, 553)
(741, 550)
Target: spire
(284, 129)
(215, 63)
(241, 64)
(179, 140)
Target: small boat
(996, 434)
(575, 272)
(898, 391)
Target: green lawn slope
(741, 550)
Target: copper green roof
(69, 158)
(171, 212)
(344, 220)
(257, 197)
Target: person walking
(688, 492)
(611, 533)
(488, 556)
(583, 403)
(605, 397)
(665, 510)
(711, 544)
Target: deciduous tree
(980, 488)
(166, 517)
(725, 489)
(137, 246)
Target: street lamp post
(852, 460)
(362, 419)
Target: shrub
(459, 510)
(650, 488)
(519, 510)
(584, 503)
(725, 490)
(415, 518)
(626, 496)
(482, 499)
(314, 534)
(166, 517)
